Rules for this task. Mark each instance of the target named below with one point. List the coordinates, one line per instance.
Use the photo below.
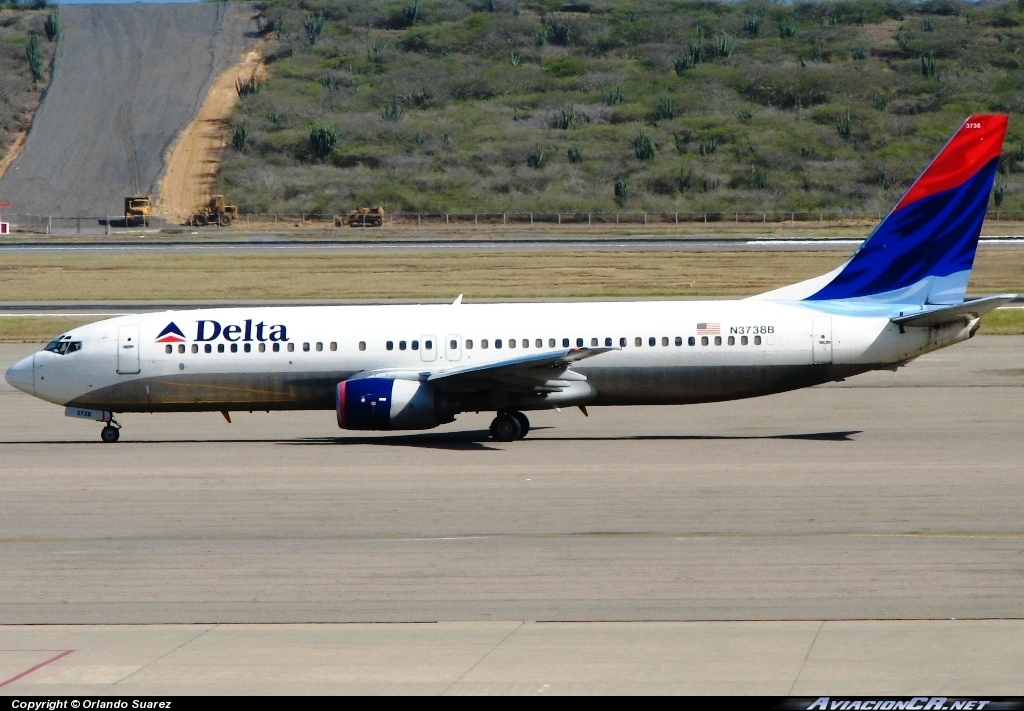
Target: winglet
(458, 300)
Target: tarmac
(861, 537)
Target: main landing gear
(509, 425)
(112, 432)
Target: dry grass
(424, 275)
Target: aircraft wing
(943, 315)
(536, 372)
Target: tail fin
(923, 251)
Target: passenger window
(511, 343)
(277, 347)
(469, 344)
(732, 340)
(402, 345)
(551, 343)
(718, 340)
(692, 341)
(638, 341)
(483, 343)
(539, 343)
(664, 340)
(497, 343)
(234, 348)
(593, 342)
(195, 348)
(428, 345)
(334, 345)
(208, 348)
(247, 347)
(220, 347)
(757, 340)
(743, 340)
(607, 342)
(526, 343)
(263, 348)
(453, 344)
(305, 347)
(622, 342)
(181, 348)
(319, 346)
(390, 345)
(362, 346)
(703, 340)
(565, 343)
(652, 341)
(415, 345)
(169, 349)
(291, 347)
(679, 340)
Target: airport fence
(83, 225)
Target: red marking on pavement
(28, 671)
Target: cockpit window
(63, 345)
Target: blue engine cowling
(386, 404)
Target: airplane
(414, 367)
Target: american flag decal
(709, 329)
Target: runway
(860, 536)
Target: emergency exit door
(822, 338)
(128, 350)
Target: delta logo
(171, 334)
(210, 330)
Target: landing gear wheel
(524, 424)
(110, 434)
(505, 428)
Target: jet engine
(387, 404)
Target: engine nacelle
(386, 404)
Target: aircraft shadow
(479, 440)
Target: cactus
(575, 156)
(928, 64)
(787, 29)
(331, 83)
(516, 58)
(52, 27)
(880, 102)
(643, 146)
(844, 124)
(322, 139)
(392, 111)
(999, 192)
(621, 190)
(535, 159)
(721, 45)
(314, 26)
(682, 63)
(758, 178)
(420, 139)
(35, 57)
(860, 53)
(240, 136)
(684, 181)
(612, 95)
(682, 139)
(666, 110)
(567, 119)
(751, 26)
(411, 11)
(707, 145)
(247, 87)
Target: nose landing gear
(509, 425)
(112, 432)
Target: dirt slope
(128, 80)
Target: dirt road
(128, 79)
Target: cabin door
(128, 350)
(822, 339)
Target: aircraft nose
(20, 375)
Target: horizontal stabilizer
(950, 314)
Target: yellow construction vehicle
(366, 217)
(137, 210)
(215, 212)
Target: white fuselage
(666, 352)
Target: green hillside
(536, 105)
(28, 37)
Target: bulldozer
(216, 212)
(366, 217)
(137, 210)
